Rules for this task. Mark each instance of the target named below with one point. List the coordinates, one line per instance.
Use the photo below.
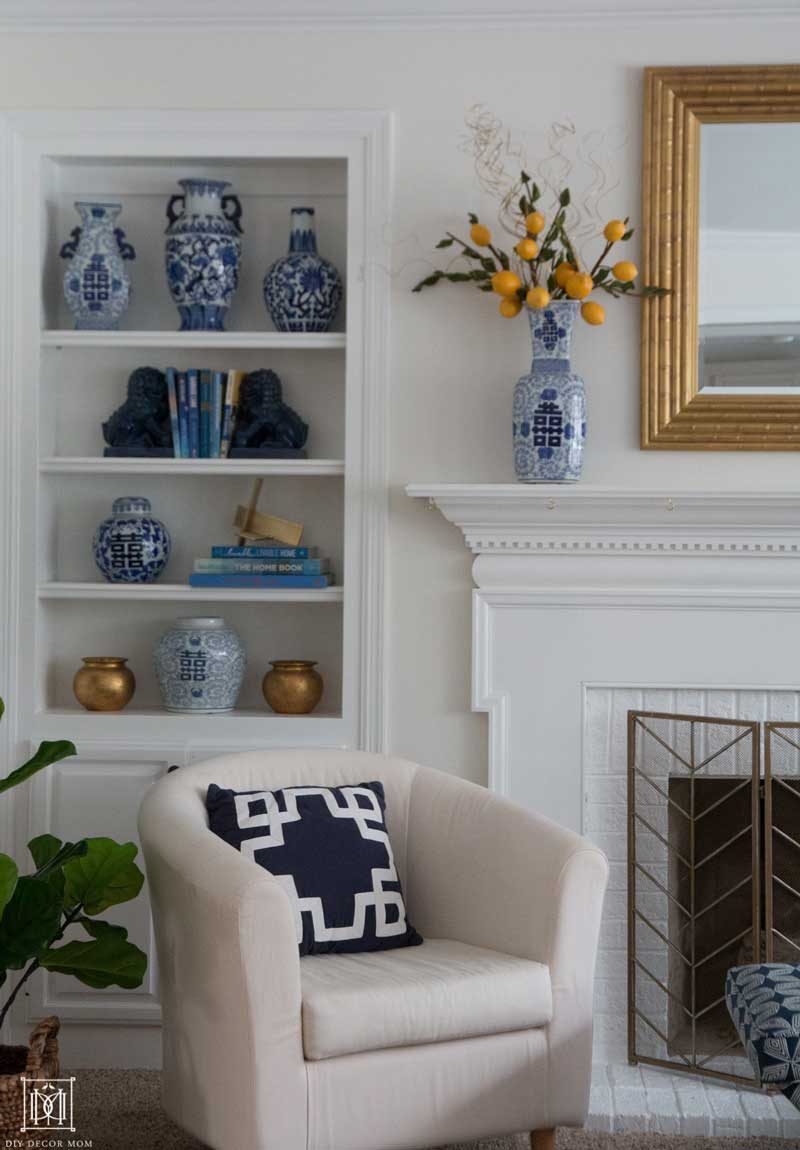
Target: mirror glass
(749, 258)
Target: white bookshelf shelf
(100, 465)
(183, 593)
(246, 724)
(179, 340)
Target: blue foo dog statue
(141, 426)
(266, 427)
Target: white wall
(454, 361)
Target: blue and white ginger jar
(131, 546)
(203, 252)
(549, 411)
(97, 286)
(200, 665)
(302, 291)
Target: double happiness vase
(200, 665)
(131, 546)
(97, 286)
(203, 252)
(302, 291)
(549, 411)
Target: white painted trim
(64, 465)
(375, 15)
(242, 340)
(183, 593)
(484, 698)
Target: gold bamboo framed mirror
(721, 373)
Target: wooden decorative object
(38, 1060)
(675, 416)
(252, 525)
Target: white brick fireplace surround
(593, 600)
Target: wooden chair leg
(543, 1140)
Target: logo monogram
(47, 1104)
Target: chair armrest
(486, 871)
(229, 975)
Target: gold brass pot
(292, 687)
(104, 683)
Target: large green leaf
(104, 876)
(8, 880)
(50, 854)
(44, 848)
(29, 923)
(2, 708)
(108, 960)
(47, 753)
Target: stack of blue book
(202, 407)
(262, 566)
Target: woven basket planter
(38, 1060)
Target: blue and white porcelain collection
(549, 408)
(200, 664)
(131, 546)
(302, 291)
(97, 287)
(203, 252)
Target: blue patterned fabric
(764, 1003)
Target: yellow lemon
(578, 285)
(506, 283)
(563, 272)
(537, 298)
(480, 235)
(534, 223)
(510, 306)
(625, 271)
(614, 230)
(593, 312)
(527, 249)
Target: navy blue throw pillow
(328, 848)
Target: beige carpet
(121, 1110)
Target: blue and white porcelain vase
(200, 665)
(549, 410)
(97, 286)
(302, 291)
(131, 546)
(203, 252)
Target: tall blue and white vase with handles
(302, 291)
(97, 286)
(549, 411)
(203, 252)
(131, 546)
(200, 664)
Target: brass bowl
(292, 687)
(104, 683)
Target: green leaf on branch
(44, 849)
(485, 287)
(50, 854)
(108, 960)
(535, 193)
(552, 283)
(488, 265)
(473, 219)
(429, 281)
(446, 243)
(627, 235)
(455, 278)
(48, 752)
(524, 176)
(564, 198)
(2, 708)
(30, 922)
(601, 274)
(104, 876)
(8, 880)
(658, 292)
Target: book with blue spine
(172, 397)
(263, 552)
(263, 566)
(229, 411)
(217, 389)
(192, 382)
(205, 414)
(183, 413)
(262, 582)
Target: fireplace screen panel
(694, 885)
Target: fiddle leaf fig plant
(71, 884)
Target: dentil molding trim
(589, 520)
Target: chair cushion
(329, 849)
(441, 990)
(764, 1002)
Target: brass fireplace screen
(713, 878)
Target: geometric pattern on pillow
(329, 849)
(764, 1002)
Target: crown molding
(374, 14)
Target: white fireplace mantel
(586, 586)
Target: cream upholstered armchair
(484, 1029)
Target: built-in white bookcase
(59, 385)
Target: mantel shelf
(64, 465)
(182, 592)
(214, 340)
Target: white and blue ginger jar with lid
(131, 546)
(200, 664)
(203, 252)
(97, 287)
(302, 291)
(549, 411)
